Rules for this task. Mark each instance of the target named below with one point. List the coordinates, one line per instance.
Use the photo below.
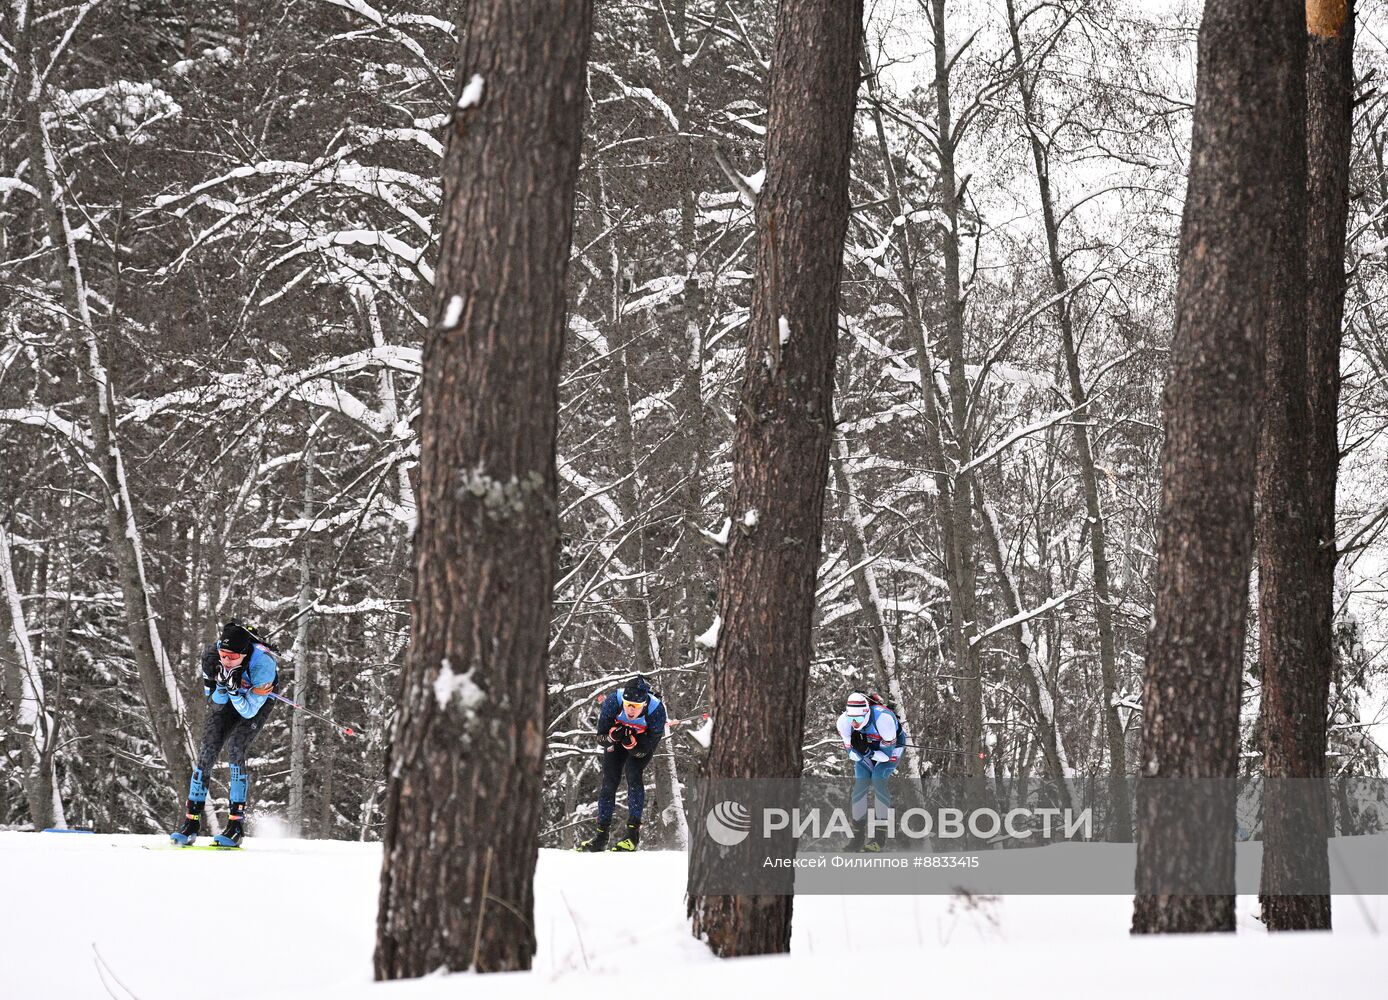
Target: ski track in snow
(309, 909)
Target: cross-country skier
(630, 725)
(238, 675)
(875, 741)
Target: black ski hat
(236, 638)
(637, 689)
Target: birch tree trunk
(1250, 98)
(781, 445)
(1296, 671)
(465, 764)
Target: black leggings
(614, 763)
(225, 725)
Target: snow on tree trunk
(963, 560)
(936, 425)
(781, 443)
(23, 689)
(163, 701)
(870, 600)
(674, 798)
(1246, 141)
(1296, 684)
(390, 407)
(464, 799)
(303, 668)
(1033, 676)
(1120, 817)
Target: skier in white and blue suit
(875, 741)
(630, 725)
(238, 675)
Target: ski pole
(969, 753)
(345, 730)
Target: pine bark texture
(1250, 94)
(1297, 664)
(465, 764)
(782, 440)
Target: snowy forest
(223, 256)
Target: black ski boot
(856, 842)
(633, 837)
(231, 836)
(596, 842)
(192, 825)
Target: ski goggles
(634, 704)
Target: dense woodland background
(212, 302)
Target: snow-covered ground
(296, 919)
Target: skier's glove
(859, 742)
(880, 756)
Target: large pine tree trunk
(463, 807)
(1250, 93)
(1297, 559)
(781, 445)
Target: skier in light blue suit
(238, 675)
(875, 740)
(254, 687)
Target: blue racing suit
(875, 749)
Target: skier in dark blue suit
(238, 675)
(630, 725)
